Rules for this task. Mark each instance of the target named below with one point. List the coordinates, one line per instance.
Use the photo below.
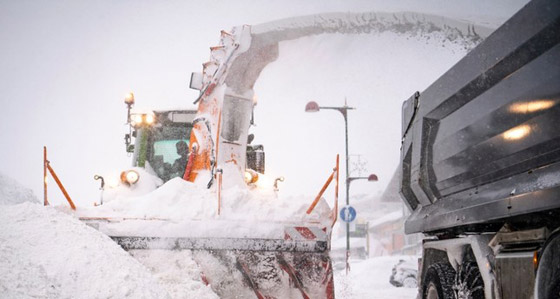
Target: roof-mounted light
(142, 119)
(129, 99)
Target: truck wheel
(547, 283)
(438, 282)
(469, 283)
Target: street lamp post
(370, 178)
(314, 107)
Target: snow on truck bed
(45, 253)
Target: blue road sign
(348, 214)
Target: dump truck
(480, 165)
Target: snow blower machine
(197, 184)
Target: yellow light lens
(129, 98)
(251, 176)
(136, 119)
(248, 177)
(132, 176)
(149, 119)
(535, 259)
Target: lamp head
(312, 107)
(372, 178)
(129, 99)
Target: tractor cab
(161, 140)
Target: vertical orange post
(45, 201)
(219, 192)
(336, 192)
(218, 138)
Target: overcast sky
(65, 67)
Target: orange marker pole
(219, 192)
(329, 180)
(45, 201)
(55, 177)
(336, 192)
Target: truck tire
(547, 283)
(469, 283)
(438, 282)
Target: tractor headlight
(142, 119)
(251, 176)
(149, 119)
(129, 177)
(136, 119)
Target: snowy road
(370, 279)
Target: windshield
(167, 149)
(167, 156)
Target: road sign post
(348, 214)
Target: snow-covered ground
(370, 279)
(46, 253)
(51, 254)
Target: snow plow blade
(266, 274)
(297, 266)
(129, 243)
(252, 268)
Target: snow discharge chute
(227, 80)
(249, 244)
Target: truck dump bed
(481, 145)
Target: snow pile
(147, 182)
(12, 192)
(184, 209)
(186, 206)
(53, 255)
(179, 199)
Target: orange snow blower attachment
(291, 262)
(242, 251)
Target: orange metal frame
(47, 166)
(333, 175)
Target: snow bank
(53, 255)
(115, 188)
(184, 209)
(370, 279)
(12, 192)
